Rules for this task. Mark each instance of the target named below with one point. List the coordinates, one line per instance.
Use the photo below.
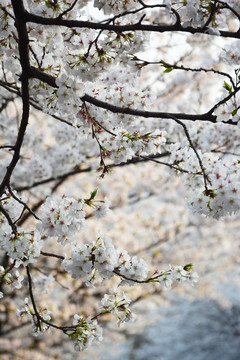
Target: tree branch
(134, 160)
(23, 47)
(28, 17)
(147, 114)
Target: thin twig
(32, 298)
(52, 255)
(102, 163)
(7, 270)
(182, 67)
(164, 163)
(40, 202)
(7, 216)
(79, 170)
(205, 176)
(22, 202)
(67, 10)
(212, 13)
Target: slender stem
(22, 202)
(205, 176)
(78, 170)
(185, 68)
(67, 10)
(32, 297)
(52, 255)
(8, 270)
(7, 216)
(164, 163)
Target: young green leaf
(227, 87)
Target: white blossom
(118, 305)
(86, 332)
(23, 246)
(61, 216)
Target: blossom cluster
(118, 305)
(85, 332)
(196, 13)
(102, 208)
(213, 136)
(115, 7)
(61, 216)
(23, 245)
(38, 325)
(231, 54)
(48, 9)
(123, 145)
(101, 258)
(13, 207)
(227, 112)
(216, 191)
(181, 274)
(7, 278)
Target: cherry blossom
(91, 88)
(86, 332)
(117, 304)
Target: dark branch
(134, 160)
(147, 114)
(52, 255)
(7, 216)
(121, 28)
(208, 116)
(23, 47)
